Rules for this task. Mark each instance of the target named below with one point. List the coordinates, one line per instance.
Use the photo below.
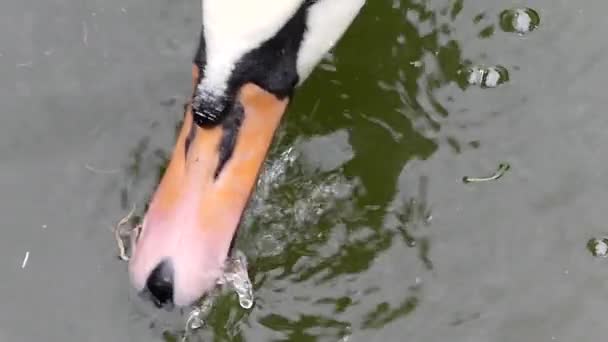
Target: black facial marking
(189, 138)
(200, 58)
(231, 125)
(209, 110)
(272, 66)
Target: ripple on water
(519, 20)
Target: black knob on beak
(209, 110)
(160, 284)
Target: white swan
(251, 57)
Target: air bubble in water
(598, 247)
(487, 77)
(475, 76)
(519, 20)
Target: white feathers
(234, 27)
(327, 22)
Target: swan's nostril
(160, 284)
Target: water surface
(361, 228)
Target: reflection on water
(384, 314)
(307, 327)
(328, 205)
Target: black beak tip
(160, 284)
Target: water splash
(196, 318)
(292, 193)
(274, 173)
(236, 277)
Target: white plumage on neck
(327, 22)
(232, 28)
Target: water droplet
(519, 20)
(487, 77)
(598, 247)
(416, 64)
(196, 317)
(195, 320)
(236, 277)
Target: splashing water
(297, 188)
(274, 173)
(197, 315)
(237, 278)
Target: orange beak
(196, 209)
